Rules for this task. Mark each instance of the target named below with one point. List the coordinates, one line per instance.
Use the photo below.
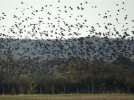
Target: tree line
(27, 76)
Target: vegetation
(72, 75)
(70, 97)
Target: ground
(69, 97)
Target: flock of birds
(49, 35)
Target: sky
(90, 13)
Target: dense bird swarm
(97, 45)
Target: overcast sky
(90, 13)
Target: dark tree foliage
(66, 76)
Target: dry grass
(70, 97)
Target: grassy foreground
(69, 97)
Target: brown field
(70, 97)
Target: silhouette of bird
(22, 2)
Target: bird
(22, 2)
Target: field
(70, 97)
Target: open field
(70, 97)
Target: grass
(69, 97)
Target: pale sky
(90, 13)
